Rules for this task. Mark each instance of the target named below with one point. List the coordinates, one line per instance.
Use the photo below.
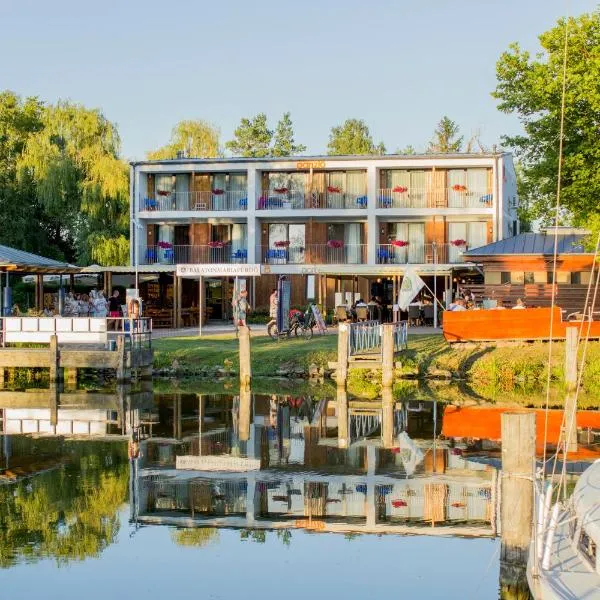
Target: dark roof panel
(12, 256)
(533, 243)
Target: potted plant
(458, 243)
(400, 243)
(335, 244)
(281, 244)
(400, 189)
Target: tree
(408, 150)
(195, 139)
(531, 87)
(80, 182)
(283, 142)
(353, 137)
(252, 138)
(445, 137)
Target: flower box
(335, 244)
(459, 188)
(216, 244)
(333, 190)
(281, 244)
(165, 245)
(218, 192)
(399, 189)
(400, 243)
(163, 193)
(459, 242)
(281, 190)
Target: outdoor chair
(428, 314)
(244, 203)
(414, 315)
(361, 201)
(362, 313)
(374, 312)
(341, 314)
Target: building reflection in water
(260, 461)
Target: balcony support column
(372, 236)
(253, 229)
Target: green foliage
(196, 139)
(252, 138)
(352, 137)
(69, 513)
(445, 137)
(408, 150)
(197, 537)
(531, 87)
(283, 142)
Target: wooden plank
(30, 357)
(89, 359)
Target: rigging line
(556, 215)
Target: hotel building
(354, 222)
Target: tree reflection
(70, 512)
(199, 536)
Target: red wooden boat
(508, 324)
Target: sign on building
(218, 270)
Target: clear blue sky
(398, 64)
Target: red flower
(163, 192)
(400, 243)
(399, 189)
(281, 244)
(399, 503)
(333, 190)
(164, 244)
(459, 188)
(218, 192)
(216, 244)
(281, 190)
(459, 242)
(335, 243)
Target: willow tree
(81, 182)
(194, 139)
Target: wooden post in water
(244, 414)
(245, 364)
(70, 376)
(342, 362)
(518, 464)
(571, 380)
(387, 357)
(387, 417)
(123, 369)
(342, 417)
(54, 359)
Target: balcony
(315, 254)
(411, 253)
(209, 254)
(452, 197)
(285, 199)
(221, 200)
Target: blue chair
(486, 198)
(362, 201)
(150, 203)
(169, 254)
(240, 254)
(244, 203)
(385, 201)
(383, 254)
(150, 255)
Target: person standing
(273, 304)
(243, 308)
(114, 308)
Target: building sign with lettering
(218, 270)
(310, 164)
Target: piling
(387, 355)
(123, 369)
(54, 359)
(342, 363)
(245, 364)
(387, 417)
(571, 380)
(342, 417)
(244, 422)
(70, 376)
(518, 465)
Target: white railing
(407, 197)
(227, 200)
(207, 254)
(298, 199)
(392, 254)
(346, 254)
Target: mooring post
(518, 467)
(70, 376)
(244, 414)
(245, 365)
(571, 380)
(123, 371)
(342, 362)
(387, 355)
(1, 377)
(54, 359)
(342, 416)
(387, 417)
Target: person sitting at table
(360, 302)
(458, 306)
(519, 305)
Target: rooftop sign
(218, 270)
(310, 164)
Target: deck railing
(227, 200)
(346, 254)
(300, 199)
(364, 337)
(407, 197)
(206, 254)
(414, 253)
(400, 329)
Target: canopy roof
(532, 243)
(12, 259)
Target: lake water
(291, 495)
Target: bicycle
(301, 324)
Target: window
(517, 277)
(580, 277)
(528, 277)
(286, 242)
(493, 277)
(540, 277)
(505, 277)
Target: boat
(505, 324)
(563, 559)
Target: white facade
(345, 214)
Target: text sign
(321, 326)
(310, 164)
(218, 270)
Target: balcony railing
(404, 197)
(412, 253)
(201, 201)
(299, 199)
(323, 254)
(209, 254)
